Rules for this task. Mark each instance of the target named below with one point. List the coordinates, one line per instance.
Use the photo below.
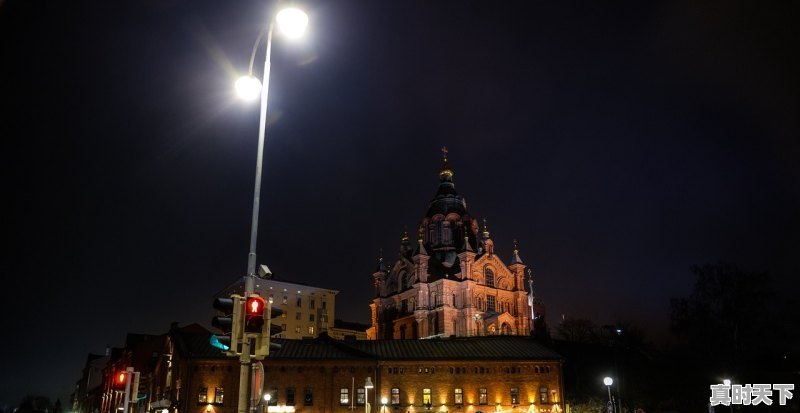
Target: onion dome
(447, 200)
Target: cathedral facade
(450, 282)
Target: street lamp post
(608, 381)
(384, 400)
(367, 385)
(292, 23)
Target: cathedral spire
(445, 172)
(515, 259)
(381, 264)
(466, 246)
(420, 247)
(485, 230)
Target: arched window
(489, 276)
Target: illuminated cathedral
(450, 282)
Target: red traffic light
(254, 314)
(255, 305)
(120, 380)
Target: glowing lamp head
(726, 382)
(384, 400)
(292, 22)
(608, 381)
(248, 87)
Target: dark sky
(620, 144)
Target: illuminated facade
(450, 282)
(477, 374)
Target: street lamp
(367, 385)
(608, 381)
(291, 22)
(384, 400)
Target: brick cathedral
(450, 282)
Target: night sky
(620, 144)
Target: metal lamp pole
(298, 20)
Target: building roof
(466, 348)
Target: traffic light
(120, 381)
(254, 314)
(230, 324)
(263, 343)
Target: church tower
(450, 282)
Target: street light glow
(248, 87)
(608, 381)
(726, 382)
(292, 22)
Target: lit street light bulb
(292, 22)
(248, 87)
(608, 381)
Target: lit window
(483, 396)
(459, 396)
(360, 397)
(426, 396)
(543, 394)
(202, 397)
(308, 396)
(490, 303)
(297, 329)
(344, 396)
(219, 395)
(311, 330)
(395, 396)
(515, 395)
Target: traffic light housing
(119, 381)
(263, 343)
(230, 323)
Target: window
(344, 396)
(395, 396)
(483, 396)
(290, 396)
(299, 301)
(312, 304)
(297, 329)
(273, 397)
(298, 316)
(490, 305)
(360, 397)
(459, 396)
(311, 330)
(324, 304)
(426, 396)
(308, 396)
(311, 317)
(285, 299)
(515, 395)
(489, 276)
(202, 397)
(543, 394)
(219, 395)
